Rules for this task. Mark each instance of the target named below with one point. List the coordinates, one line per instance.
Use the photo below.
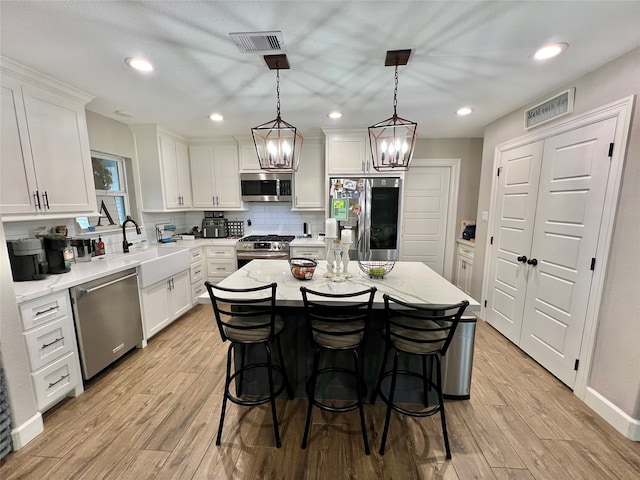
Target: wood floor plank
(35, 467)
(144, 465)
(512, 474)
(535, 455)
(496, 449)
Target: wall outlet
(485, 216)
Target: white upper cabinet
(214, 176)
(309, 180)
(348, 153)
(163, 160)
(248, 156)
(45, 163)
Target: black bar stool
(336, 327)
(247, 317)
(423, 331)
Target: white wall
(616, 364)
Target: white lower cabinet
(312, 251)
(196, 275)
(464, 267)
(221, 262)
(51, 345)
(165, 301)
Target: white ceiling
(464, 53)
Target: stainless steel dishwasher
(108, 320)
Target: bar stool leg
(360, 397)
(374, 394)
(391, 393)
(312, 395)
(271, 394)
(425, 384)
(442, 416)
(239, 378)
(227, 384)
(284, 370)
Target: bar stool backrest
(345, 318)
(419, 328)
(255, 307)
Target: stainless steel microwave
(266, 187)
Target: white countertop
(412, 282)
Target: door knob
(522, 259)
(532, 261)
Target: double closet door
(549, 207)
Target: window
(110, 180)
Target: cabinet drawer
(315, 253)
(56, 380)
(465, 251)
(42, 310)
(197, 273)
(196, 255)
(220, 268)
(50, 341)
(221, 252)
(196, 291)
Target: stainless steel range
(270, 247)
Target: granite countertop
(413, 282)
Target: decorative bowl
(303, 268)
(376, 268)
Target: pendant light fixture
(393, 140)
(278, 143)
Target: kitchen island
(412, 282)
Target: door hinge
(485, 303)
(575, 365)
(593, 263)
(499, 170)
(491, 242)
(610, 150)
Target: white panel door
(227, 180)
(424, 218)
(202, 176)
(513, 229)
(573, 184)
(169, 172)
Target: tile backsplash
(264, 217)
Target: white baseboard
(26, 432)
(625, 424)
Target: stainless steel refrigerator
(371, 207)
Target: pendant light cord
(395, 95)
(278, 92)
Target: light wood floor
(155, 415)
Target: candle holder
(337, 260)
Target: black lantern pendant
(278, 143)
(393, 140)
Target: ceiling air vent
(250, 42)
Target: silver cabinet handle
(45, 196)
(36, 196)
(58, 381)
(51, 343)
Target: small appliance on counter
(165, 232)
(27, 259)
(215, 228)
(54, 247)
(235, 228)
(83, 249)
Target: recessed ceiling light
(549, 51)
(334, 114)
(216, 117)
(124, 113)
(139, 63)
(464, 111)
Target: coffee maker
(27, 259)
(83, 249)
(54, 246)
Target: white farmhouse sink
(158, 263)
